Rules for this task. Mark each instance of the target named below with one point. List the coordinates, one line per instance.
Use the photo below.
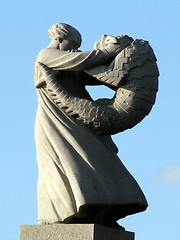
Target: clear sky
(150, 150)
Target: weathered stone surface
(73, 232)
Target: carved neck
(54, 44)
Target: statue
(81, 179)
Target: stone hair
(62, 30)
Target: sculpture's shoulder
(42, 55)
(48, 54)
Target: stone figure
(81, 179)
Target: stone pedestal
(73, 232)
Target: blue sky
(150, 150)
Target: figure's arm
(73, 61)
(78, 61)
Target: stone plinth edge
(73, 232)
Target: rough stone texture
(73, 232)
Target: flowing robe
(77, 167)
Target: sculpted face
(107, 40)
(104, 41)
(68, 44)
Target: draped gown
(78, 169)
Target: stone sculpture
(81, 179)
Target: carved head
(65, 33)
(105, 41)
